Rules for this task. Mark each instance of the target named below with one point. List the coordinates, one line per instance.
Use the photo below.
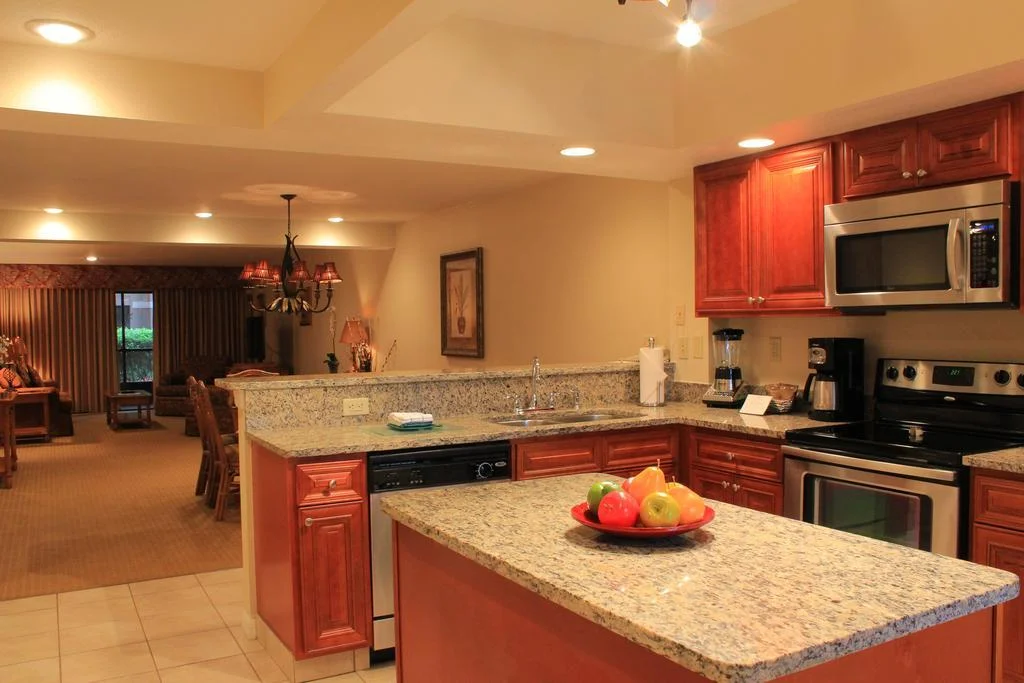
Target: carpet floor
(103, 508)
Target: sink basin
(593, 417)
(524, 421)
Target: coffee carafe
(835, 390)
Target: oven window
(898, 261)
(879, 513)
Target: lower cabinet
(996, 498)
(733, 469)
(624, 453)
(743, 491)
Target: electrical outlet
(698, 347)
(680, 315)
(775, 349)
(355, 406)
(682, 348)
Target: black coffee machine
(835, 391)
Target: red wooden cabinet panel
(736, 455)
(1005, 550)
(758, 495)
(998, 500)
(640, 448)
(967, 143)
(724, 213)
(330, 482)
(556, 456)
(711, 485)
(880, 159)
(335, 577)
(794, 188)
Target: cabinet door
(556, 456)
(794, 187)
(637, 449)
(711, 485)
(724, 214)
(758, 495)
(335, 577)
(722, 451)
(881, 159)
(968, 143)
(1005, 550)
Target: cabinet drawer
(998, 501)
(743, 456)
(627, 472)
(642, 447)
(551, 457)
(330, 482)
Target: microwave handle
(955, 255)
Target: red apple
(618, 508)
(659, 509)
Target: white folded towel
(406, 419)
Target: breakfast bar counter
(498, 582)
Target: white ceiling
(237, 34)
(126, 254)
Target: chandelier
(288, 283)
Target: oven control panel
(953, 376)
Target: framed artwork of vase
(462, 304)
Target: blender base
(725, 399)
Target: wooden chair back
(207, 421)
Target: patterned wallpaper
(116, 277)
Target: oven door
(918, 507)
(915, 260)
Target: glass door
(894, 516)
(133, 315)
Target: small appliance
(835, 390)
(945, 247)
(729, 390)
(900, 477)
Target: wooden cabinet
(312, 553)
(759, 227)
(745, 471)
(997, 541)
(624, 453)
(965, 144)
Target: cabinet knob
(908, 174)
(735, 487)
(725, 484)
(332, 484)
(750, 299)
(730, 456)
(760, 299)
(921, 173)
(309, 521)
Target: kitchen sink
(524, 421)
(593, 417)
(564, 418)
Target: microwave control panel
(984, 255)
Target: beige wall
(576, 270)
(991, 335)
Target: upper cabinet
(760, 232)
(959, 145)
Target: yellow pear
(651, 480)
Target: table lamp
(353, 333)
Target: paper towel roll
(652, 376)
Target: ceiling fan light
(689, 33)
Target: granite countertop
(750, 597)
(1008, 460)
(304, 442)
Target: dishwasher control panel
(438, 467)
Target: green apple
(659, 509)
(598, 491)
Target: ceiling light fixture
(60, 32)
(756, 143)
(689, 33)
(204, 214)
(335, 219)
(53, 210)
(289, 282)
(578, 152)
(91, 259)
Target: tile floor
(179, 630)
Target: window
(133, 314)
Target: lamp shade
(353, 332)
(275, 275)
(262, 271)
(328, 273)
(247, 272)
(299, 272)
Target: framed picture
(462, 304)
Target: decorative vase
(461, 322)
(333, 367)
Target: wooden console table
(32, 412)
(119, 406)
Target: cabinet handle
(725, 484)
(908, 175)
(760, 299)
(309, 521)
(921, 173)
(750, 299)
(332, 484)
(729, 455)
(735, 487)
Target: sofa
(171, 393)
(41, 409)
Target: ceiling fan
(664, 2)
(689, 32)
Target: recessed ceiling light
(756, 143)
(335, 219)
(60, 32)
(53, 210)
(90, 259)
(204, 214)
(578, 152)
(689, 33)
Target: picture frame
(462, 303)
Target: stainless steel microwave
(950, 246)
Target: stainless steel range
(899, 477)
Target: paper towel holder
(659, 391)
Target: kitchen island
(497, 582)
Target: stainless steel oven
(950, 246)
(918, 507)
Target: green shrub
(136, 338)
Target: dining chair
(9, 456)
(223, 456)
(204, 464)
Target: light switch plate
(680, 316)
(698, 347)
(355, 406)
(775, 349)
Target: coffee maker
(835, 390)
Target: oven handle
(954, 255)
(930, 473)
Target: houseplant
(332, 362)
(332, 357)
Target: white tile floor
(179, 630)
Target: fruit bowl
(582, 515)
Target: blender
(729, 390)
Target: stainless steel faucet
(533, 384)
